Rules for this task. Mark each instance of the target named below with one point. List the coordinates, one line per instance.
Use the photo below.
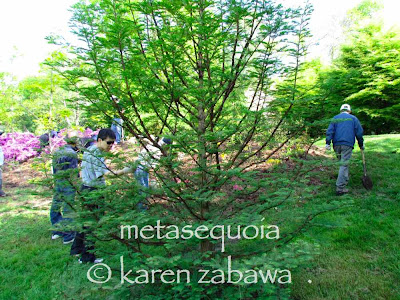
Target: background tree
(311, 110)
(7, 103)
(364, 75)
(36, 104)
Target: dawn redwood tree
(200, 73)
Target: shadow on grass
(32, 266)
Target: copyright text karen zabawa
(226, 274)
(202, 276)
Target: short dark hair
(167, 141)
(106, 133)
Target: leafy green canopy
(367, 77)
(364, 74)
(36, 104)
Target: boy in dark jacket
(342, 131)
(65, 170)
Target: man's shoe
(55, 236)
(342, 192)
(3, 195)
(96, 261)
(65, 242)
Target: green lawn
(32, 266)
(359, 256)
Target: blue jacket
(343, 130)
(65, 167)
(65, 158)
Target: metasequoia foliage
(200, 73)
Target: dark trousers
(81, 245)
(1, 182)
(61, 209)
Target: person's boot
(342, 192)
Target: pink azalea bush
(23, 146)
(56, 142)
(19, 146)
(89, 133)
(237, 187)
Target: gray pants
(1, 181)
(343, 153)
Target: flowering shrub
(89, 133)
(19, 146)
(237, 187)
(23, 146)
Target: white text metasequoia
(202, 232)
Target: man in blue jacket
(342, 131)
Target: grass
(358, 256)
(32, 266)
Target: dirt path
(22, 193)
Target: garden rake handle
(364, 165)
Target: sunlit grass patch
(359, 256)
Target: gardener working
(343, 130)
